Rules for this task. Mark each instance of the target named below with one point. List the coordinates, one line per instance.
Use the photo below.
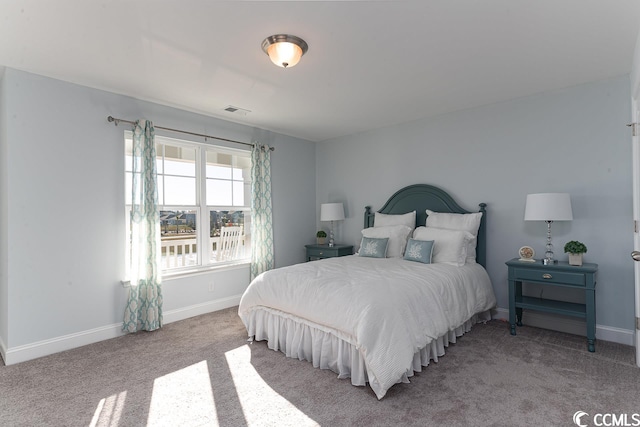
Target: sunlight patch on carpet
(261, 404)
(183, 397)
(109, 410)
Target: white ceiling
(370, 63)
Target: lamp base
(331, 236)
(548, 255)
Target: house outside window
(204, 198)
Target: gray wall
(62, 204)
(4, 210)
(573, 140)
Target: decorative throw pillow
(373, 247)
(453, 221)
(397, 235)
(419, 250)
(383, 220)
(449, 246)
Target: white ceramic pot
(575, 259)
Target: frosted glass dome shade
(284, 50)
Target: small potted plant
(575, 250)
(320, 237)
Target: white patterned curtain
(144, 307)
(262, 229)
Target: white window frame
(204, 261)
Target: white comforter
(388, 308)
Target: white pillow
(383, 220)
(449, 247)
(397, 234)
(453, 221)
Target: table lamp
(548, 207)
(331, 212)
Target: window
(204, 197)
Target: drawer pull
(547, 276)
(321, 253)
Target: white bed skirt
(327, 348)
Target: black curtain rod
(117, 121)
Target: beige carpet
(202, 372)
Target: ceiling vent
(236, 110)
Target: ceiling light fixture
(284, 50)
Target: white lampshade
(548, 207)
(331, 212)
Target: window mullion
(201, 194)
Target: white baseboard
(37, 349)
(67, 342)
(570, 326)
(3, 350)
(198, 309)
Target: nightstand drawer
(527, 275)
(326, 251)
(320, 253)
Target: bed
(384, 313)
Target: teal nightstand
(561, 274)
(325, 251)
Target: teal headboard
(420, 197)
